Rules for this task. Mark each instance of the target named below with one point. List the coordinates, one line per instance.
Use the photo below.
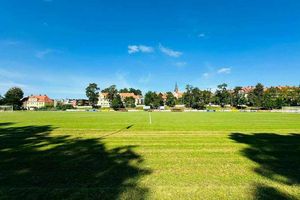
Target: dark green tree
(13, 97)
(171, 100)
(153, 99)
(222, 96)
(92, 93)
(206, 96)
(117, 103)
(124, 90)
(1, 100)
(135, 91)
(129, 102)
(131, 90)
(158, 100)
(112, 92)
(237, 97)
(272, 98)
(187, 97)
(258, 93)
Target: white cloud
(169, 52)
(145, 49)
(224, 70)
(133, 49)
(139, 48)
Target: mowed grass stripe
(120, 156)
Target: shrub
(177, 109)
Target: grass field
(64, 155)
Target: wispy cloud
(180, 64)
(121, 79)
(145, 79)
(10, 74)
(201, 35)
(8, 84)
(10, 42)
(205, 75)
(139, 48)
(169, 52)
(43, 53)
(224, 70)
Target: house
(37, 101)
(80, 102)
(177, 94)
(103, 100)
(138, 98)
(72, 102)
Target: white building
(103, 101)
(38, 101)
(138, 98)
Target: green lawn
(86, 155)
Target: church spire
(176, 88)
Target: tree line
(258, 97)
(193, 97)
(113, 96)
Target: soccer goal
(6, 108)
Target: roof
(129, 94)
(247, 89)
(41, 98)
(105, 94)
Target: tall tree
(112, 92)
(171, 100)
(117, 103)
(206, 95)
(13, 97)
(135, 91)
(258, 93)
(1, 100)
(238, 98)
(129, 102)
(272, 98)
(158, 100)
(131, 90)
(92, 92)
(222, 95)
(187, 97)
(153, 99)
(124, 90)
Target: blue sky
(57, 47)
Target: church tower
(176, 88)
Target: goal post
(6, 108)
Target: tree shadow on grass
(278, 157)
(36, 165)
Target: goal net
(6, 108)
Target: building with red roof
(37, 101)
